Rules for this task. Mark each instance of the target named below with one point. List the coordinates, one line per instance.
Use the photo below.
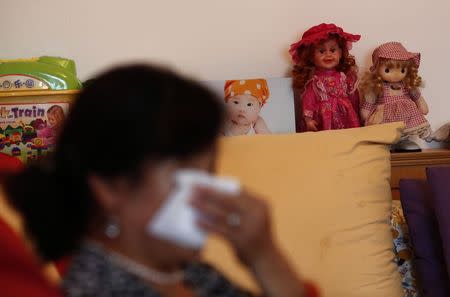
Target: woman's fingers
(219, 212)
(226, 202)
(215, 228)
(243, 220)
(209, 210)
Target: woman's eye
(235, 102)
(322, 51)
(333, 50)
(386, 70)
(249, 104)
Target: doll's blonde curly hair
(373, 82)
(303, 71)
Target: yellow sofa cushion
(331, 200)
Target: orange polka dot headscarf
(258, 88)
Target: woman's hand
(244, 221)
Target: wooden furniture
(412, 165)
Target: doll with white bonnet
(391, 91)
(244, 100)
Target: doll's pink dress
(330, 99)
(400, 108)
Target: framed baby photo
(256, 106)
(30, 122)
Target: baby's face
(243, 109)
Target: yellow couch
(331, 199)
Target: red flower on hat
(319, 33)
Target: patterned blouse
(92, 274)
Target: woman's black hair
(124, 117)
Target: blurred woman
(125, 137)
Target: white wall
(213, 39)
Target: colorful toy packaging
(35, 95)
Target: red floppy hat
(319, 33)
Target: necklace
(142, 271)
(395, 86)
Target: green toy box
(35, 97)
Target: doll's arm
(261, 126)
(311, 125)
(420, 101)
(376, 116)
(354, 99)
(366, 109)
(354, 94)
(309, 102)
(364, 113)
(368, 105)
(370, 98)
(422, 105)
(309, 108)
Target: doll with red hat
(324, 78)
(391, 91)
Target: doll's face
(243, 109)
(393, 71)
(327, 54)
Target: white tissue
(175, 221)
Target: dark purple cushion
(425, 239)
(439, 181)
